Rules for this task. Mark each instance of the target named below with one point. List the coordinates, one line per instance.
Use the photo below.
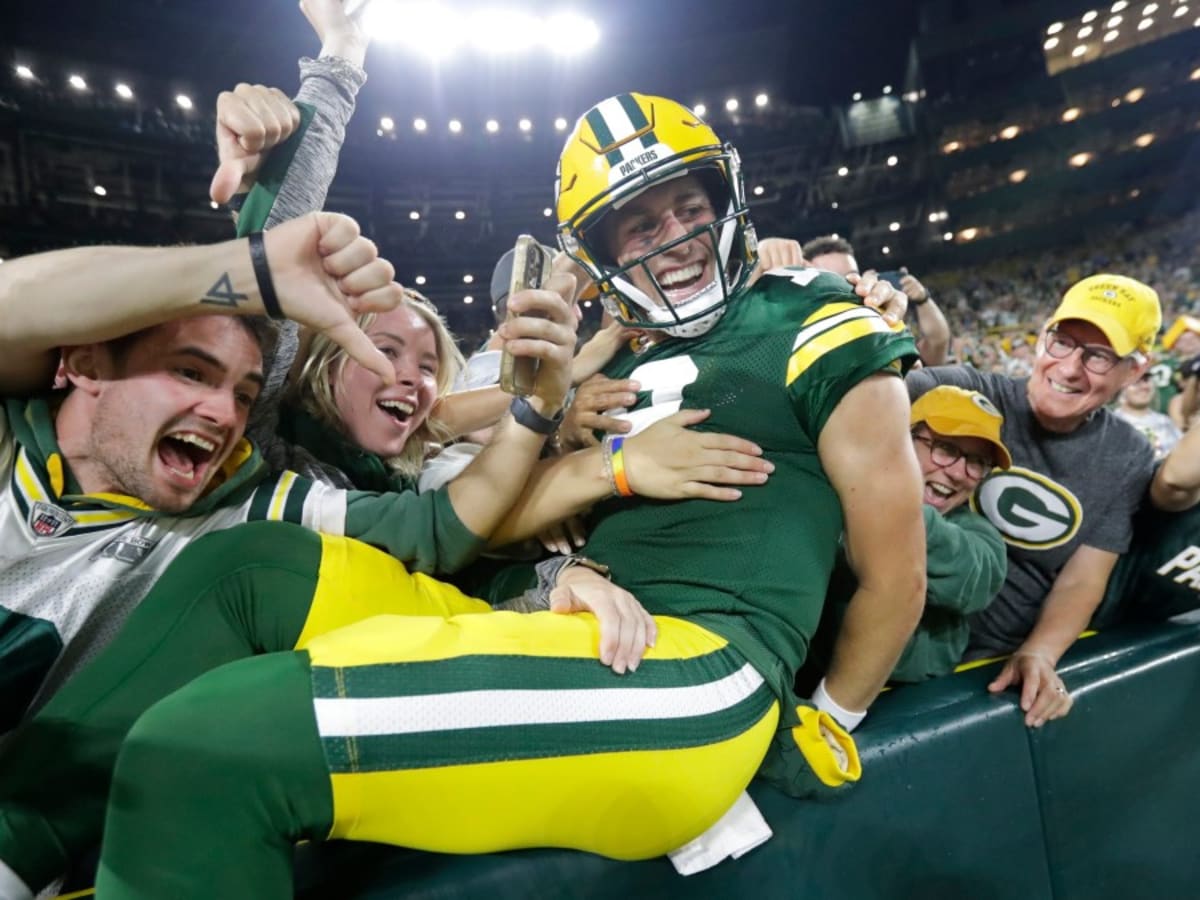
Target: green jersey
(1165, 376)
(772, 371)
(1159, 576)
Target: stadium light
(25, 73)
(1050, 44)
(1118, 6)
(1114, 21)
(525, 125)
(1135, 94)
(1110, 36)
(492, 126)
(843, 171)
(387, 123)
(560, 124)
(455, 126)
(1010, 131)
(213, 204)
(1144, 24)
(570, 34)
(1144, 140)
(424, 26)
(1180, 12)
(933, 217)
(700, 109)
(468, 278)
(761, 100)
(759, 190)
(857, 96)
(1079, 51)
(892, 160)
(887, 89)
(833, 205)
(1016, 176)
(1195, 76)
(586, 303)
(948, 236)
(1084, 32)
(420, 279)
(731, 105)
(459, 214)
(414, 215)
(969, 234)
(124, 91)
(1079, 160)
(1149, 9)
(886, 250)
(183, 101)
(951, 147)
(1070, 115)
(468, 299)
(500, 32)
(420, 125)
(1089, 16)
(1054, 28)
(100, 191)
(77, 82)
(547, 212)
(894, 226)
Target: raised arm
(1176, 484)
(867, 452)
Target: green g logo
(1028, 509)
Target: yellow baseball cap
(1175, 332)
(957, 412)
(1126, 310)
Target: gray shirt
(1063, 491)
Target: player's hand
(626, 629)
(774, 253)
(251, 119)
(326, 274)
(668, 461)
(889, 302)
(812, 756)
(598, 350)
(1043, 695)
(913, 289)
(585, 415)
(565, 537)
(544, 328)
(339, 34)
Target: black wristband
(262, 274)
(532, 419)
(920, 302)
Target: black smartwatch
(526, 415)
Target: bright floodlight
(492, 126)
(1079, 51)
(1009, 132)
(1180, 11)
(1050, 44)
(1055, 28)
(833, 205)
(25, 73)
(415, 216)
(468, 278)
(1089, 16)
(184, 101)
(843, 171)
(1135, 94)
(547, 212)
(124, 91)
(77, 82)
(100, 191)
(501, 32)
(700, 109)
(455, 126)
(1149, 9)
(1016, 176)
(468, 299)
(1070, 115)
(885, 250)
(420, 279)
(894, 226)
(887, 89)
(948, 236)
(1118, 6)
(857, 96)
(1085, 32)
(525, 125)
(423, 26)
(459, 214)
(569, 34)
(761, 100)
(1144, 24)
(731, 105)
(1110, 36)
(560, 124)
(892, 160)
(420, 124)
(1114, 21)
(387, 123)
(1144, 140)
(758, 190)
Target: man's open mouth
(186, 454)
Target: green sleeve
(966, 561)
(421, 530)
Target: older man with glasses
(1065, 507)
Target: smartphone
(531, 268)
(893, 278)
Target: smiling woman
(362, 432)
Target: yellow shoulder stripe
(849, 327)
(279, 497)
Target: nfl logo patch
(48, 520)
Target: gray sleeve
(919, 381)
(329, 85)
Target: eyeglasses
(1097, 360)
(945, 454)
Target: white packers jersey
(72, 571)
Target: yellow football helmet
(622, 147)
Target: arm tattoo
(223, 294)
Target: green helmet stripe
(638, 120)
(603, 135)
